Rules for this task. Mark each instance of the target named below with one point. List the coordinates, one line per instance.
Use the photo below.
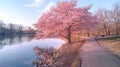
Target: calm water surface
(18, 51)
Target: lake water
(18, 51)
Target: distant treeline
(109, 22)
(11, 29)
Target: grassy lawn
(112, 44)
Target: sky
(27, 12)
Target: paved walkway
(93, 55)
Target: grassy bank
(70, 54)
(112, 44)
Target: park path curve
(94, 55)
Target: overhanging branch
(63, 36)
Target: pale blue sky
(27, 12)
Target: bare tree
(116, 18)
(102, 15)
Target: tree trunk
(117, 32)
(69, 34)
(105, 28)
(109, 31)
(69, 38)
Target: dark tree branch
(63, 36)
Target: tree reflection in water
(46, 57)
(14, 39)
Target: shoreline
(68, 55)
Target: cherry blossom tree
(65, 18)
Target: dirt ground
(70, 54)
